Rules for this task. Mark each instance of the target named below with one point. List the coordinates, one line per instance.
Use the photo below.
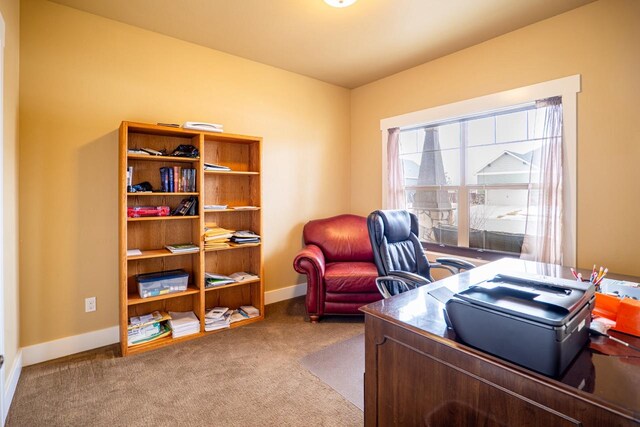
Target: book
(134, 252)
(182, 247)
(171, 187)
(176, 178)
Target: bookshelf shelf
(158, 253)
(231, 173)
(237, 324)
(161, 218)
(166, 159)
(161, 342)
(239, 187)
(134, 298)
(244, 246)
(231, 285)
(160, 194)
(231, 210)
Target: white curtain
(395, 191)
(543, 231)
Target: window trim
(566, 87)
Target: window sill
(474, 256)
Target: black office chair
(398, 254)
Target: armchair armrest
(454, 265)
(310, 261)
(399, 281)
(310, 258)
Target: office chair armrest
(412, 279)
(454, 265)
(398, 282)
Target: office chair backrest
(395, 244)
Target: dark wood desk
(418, 373)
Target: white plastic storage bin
(162, 282)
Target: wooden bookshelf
(239, 187)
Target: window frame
(566, 87)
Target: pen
(593, 274)
(579, 278)
(575, 275)
(604, 273)
(599, 273)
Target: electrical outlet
(89, 304)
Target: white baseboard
(70, 345)
(75, 344)
(285, 293)
(11, 384)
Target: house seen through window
(472, 181)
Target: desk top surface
(611, 380)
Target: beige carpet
(249, 376)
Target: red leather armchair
(338, 262)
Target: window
(475, 171)
(470, 170)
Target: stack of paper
(216, 237)
(243, 237)
(217, 318)
(183, 323)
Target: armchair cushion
(350, 277)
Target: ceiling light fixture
(340, 3)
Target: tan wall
(10, 10)
(598, 41)
(81, 75)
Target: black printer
(536, 321)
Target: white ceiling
(348, 47)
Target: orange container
(628, 320)
(624, 311)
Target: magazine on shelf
(249, 311)
(182, 247)
(214, 207)
(212, 280)
(214, 167)
(242, 276)
(151, 333)
(216, 312)
(147, 319)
